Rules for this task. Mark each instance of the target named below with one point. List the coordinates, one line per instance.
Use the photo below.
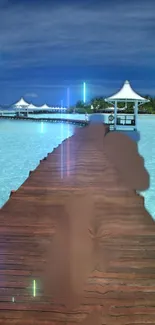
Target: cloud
(76, 33)
(95, 87)
(31, 95)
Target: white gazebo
(32, 107)
(21, 104)
(45, 106)
(128, 95)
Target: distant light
(68, 97)
(42, 127)
(84, 92)
(34, 288)
(13, 299)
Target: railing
(127, 120)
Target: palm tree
(98, 103)
(80, 104)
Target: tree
(80, 104)
(98, 103)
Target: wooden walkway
(123, 284)
(46, 119)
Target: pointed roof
(126, 93)
(44, 106)
(21, 102)
(32, 106)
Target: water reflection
(42, 127)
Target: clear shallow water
(80, 117)
(54, 115)
(146, 126)
(24, 143)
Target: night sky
(45, 48)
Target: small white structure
(21, 104)
(86, 116)
(63, 109)
(126, 94)
(44, 107)
(110, 109)
(32, 107)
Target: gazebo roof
(31, 106)
(44, 106)
(21, 102)
(126, 93)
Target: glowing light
(42, 127)
(68, 149)
(68, 97)
(34, 288)
(62, 158)
(13, 299)
(84, 92)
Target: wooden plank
(123, 283)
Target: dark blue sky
(46, 47)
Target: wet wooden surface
(124, 289)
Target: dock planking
(122, 283)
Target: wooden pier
(48, 119)
(122, 287)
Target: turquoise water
(80, 117)
(146, 125)
(24, 143)
(54, 115)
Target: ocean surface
(24, 143)
(146, 126)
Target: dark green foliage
(99, 105)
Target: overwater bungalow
(125, 122)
